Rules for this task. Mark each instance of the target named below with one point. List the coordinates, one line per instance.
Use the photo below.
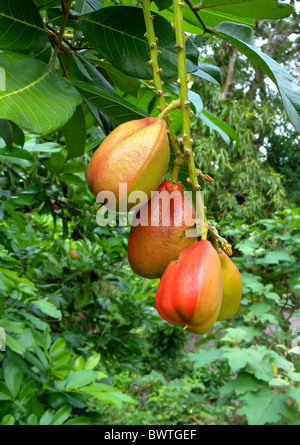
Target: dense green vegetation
(84, 342)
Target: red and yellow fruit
(136, 153)
(232, 288)
(190, 291)
(167, 219)
(74, 255)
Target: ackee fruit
(190, 291)
(167, 219)
(232, 288)
(135, 153)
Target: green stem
(194, 9)
(187, 141)
(173, 106)
(158, 83)
(61, 33)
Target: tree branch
(230, 74)
(61, 32)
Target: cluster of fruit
(199, 284)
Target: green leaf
(245, 333)
(216, 124)
(295, 394)
(12, 377)
(251, 283)
(163, 4)
(128, 84)
(128, 50)
(46, 418)
(80, 378)
(256, 9)
(8, 420)
(105, 393)
(5, 393)
(6, 132)
(61, 415)
(58, 347)
(12, 326)
(79, 420)
(203, 357)
(288, 87)
(37, 100)
(278, 382)
(19, 157)
(48, 308)
(276, 256)
(119, 110)
(74, 133)
(14, 345)
(209, 15)
(196, 102)
(45, 147)
(259, 308)
(21, 26)
(254, 358)
(72, 179)
(14, 277)
(242, 384)
(92, 361)
(209, 72)
(74, 167)
(78, 364)
(264, 407)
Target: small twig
(194, 10)
(63, 66)
(61, 32)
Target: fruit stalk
(158, 84)
(186, 112)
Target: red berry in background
(74, 255)
(55, 206)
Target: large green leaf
(119, 110)
(210, 17)
(21, 26)
(37, 99)
(218, 125)
(239, 11)
(117, 33)
(264, 406)
(288, 87)
(209, 72)
(75, 134)
(80, 378)
(256, 9)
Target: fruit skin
(232, 288)
(136, 153)
(74, 255)
(152, 247)
(190, 291)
